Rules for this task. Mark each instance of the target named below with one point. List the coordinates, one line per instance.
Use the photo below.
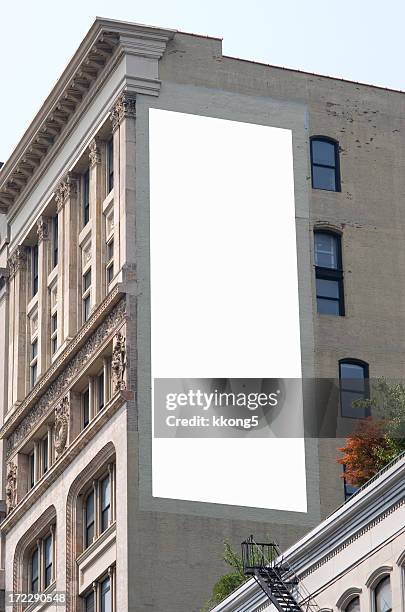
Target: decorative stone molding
(124, 107)
(62, 414)
(66, 189)
(377, 575)
(43, 229)
(118, 363)
(61, 384)
(347, 597)
(11, 487)
(95, 152)
(17, 260)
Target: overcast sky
(354, 39)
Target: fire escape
(276, 577)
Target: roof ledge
(105, 39)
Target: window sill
(109, 198)
(96, 559)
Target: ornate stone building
(75, 392)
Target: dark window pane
(34, 349)
(353, 387)
(105, 596)
(323, 153)
(86, 408)
(32, 470)
(101, 391)
(86, 308)
(55, 240)
(86, 197)
(34, 572)
(105, 503)
(89, 518)
(110, 165)
(325, 306)
(34, 270)
(324, 178)
(48, 560)
(383, 598)
(354, 605)
(326, 251)
(45, 454)
(89, 603)
(86, 280)
(327, 288)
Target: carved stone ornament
(17, 260)
(118, 363)
(59, 387)
(62, 412)
(66, 189)
(11, 487)
(43, 229)
(95, 152)
(124, 107)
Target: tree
(378, 439)
(230, 581)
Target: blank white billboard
(224, 296)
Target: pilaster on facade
(123, 116)
(67, 208)
(44, 261)
(97, 189)
(18, 325)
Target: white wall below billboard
(224, 296)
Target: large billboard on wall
(225, 328)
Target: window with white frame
(41, 565)
(101, 596)
(383, 595)
(98, 506)
(86, 294)
(34, 362)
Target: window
(110, 165)
(105, 596)
(31, 461)
(105, 503)
(98, 506)
(353, 606)
(110, 261)
(86, 407)
(34, 269)
(328, 273)
(34, 363)
(44, 452)
(54, 333)
(86, 197)
(89, 602)
(382, 596)
(354, 385)
(55, 241)
(41, 573)
(86, 298)
(325, 163)
(48, 556)
(35, 571)
(100, 391)
(89, 519)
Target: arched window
(353, 606)
(382, 595)
(325, 163)
(328, 273)
(354, 385)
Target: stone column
(44, 257)
(18, 326)
(96, 195)
(123, 124)
(67, 198)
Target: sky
(354, 39)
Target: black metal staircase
(275, 577)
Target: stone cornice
(60, 364)
(105, 39)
